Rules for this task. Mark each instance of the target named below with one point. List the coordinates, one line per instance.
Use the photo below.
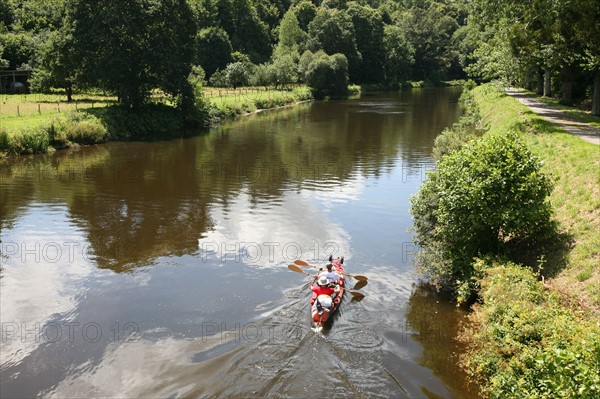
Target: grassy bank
(37, 123)
(575, 165)
(532, 338)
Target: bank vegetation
(509, 223)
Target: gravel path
(583, 130)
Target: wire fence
(27, 105)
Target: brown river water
(160, 269)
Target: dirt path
(581, 129)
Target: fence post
(18, 111)
(39, 109)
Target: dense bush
(484, 199)
(29, 141)
(526, 345)
(77, 127)
(152, 121)
(326, 75)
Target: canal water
(160, 269)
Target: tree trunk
(539, 88)
(596, 96)
(547, 83)
(566, 75)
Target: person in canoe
(332, 276)
(324, 293)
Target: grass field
(22, 111)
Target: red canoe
(320, 314)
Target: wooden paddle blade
(356, 294)
(360, 284)
(300, 262)
(296, 269)
(358, 277)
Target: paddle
(359, 285)
(355, 276)
(355, 294)
(295, 268)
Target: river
(159, 269)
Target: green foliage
(487, 198)
(55, 68)
(333, 31)
(4, 141)
(291, 36)
(38, 16)
(237, 74)
(369, 31)
(325, 75)
(305, 12)
(213, 49)
(219, 79)
(28, 141)
(3, 63)
(152, 121)
(77, 127)
(528, 345)
(19, 49)
(131, 47)
(248, 33)
(468, 127)
(284, 70)
(399, 56)
(430, 32)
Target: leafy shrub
(468, 127)
(76, 127)
(4, 140)
(525, 344)
(30, 141)
(149, 122)
(484, 199)
(326, 75)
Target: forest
(130, 48)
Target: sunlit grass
(575, 164)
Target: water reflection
(178, 242)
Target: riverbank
(36, 129)
(538, 335)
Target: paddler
(332, 276)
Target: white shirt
(332, 277)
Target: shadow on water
(436, 322)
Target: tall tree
(213, 49)
(55, 68)
(132, 46)
(305, 11)
(399, 55)
(368, 27)
(333, 31)
(291, 36)
(247, 32)
(430, 31)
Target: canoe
(321, 314)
